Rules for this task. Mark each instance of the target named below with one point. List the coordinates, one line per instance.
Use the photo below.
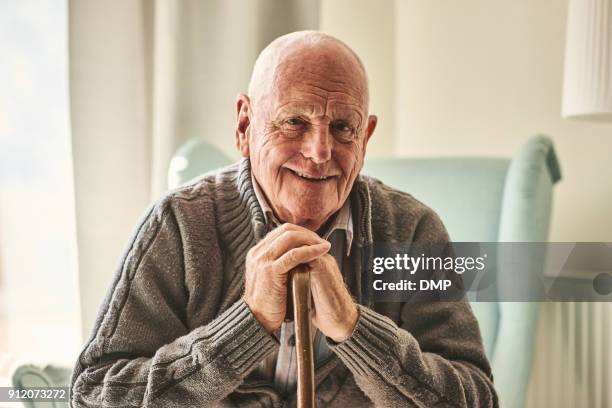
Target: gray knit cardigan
(173, 330)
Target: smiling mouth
(311, 178)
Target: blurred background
(96, 97)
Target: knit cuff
(240, 338)
(371, 347)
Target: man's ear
(372, 121)
(243, 123)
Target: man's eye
(295, 122)
(341, 126)
(342, 129)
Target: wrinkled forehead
(328, 76)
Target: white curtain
(144, 77)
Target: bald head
(303, 52)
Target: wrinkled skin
(305, 127)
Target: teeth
(310, 177)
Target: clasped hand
(267, 273)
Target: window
(39, 307)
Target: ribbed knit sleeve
(240, 338)
(143, 352)
(366, 352)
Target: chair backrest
(193, 159)
(466, 193)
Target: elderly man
(196, 313)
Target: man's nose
(317, 144)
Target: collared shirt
(280, 368)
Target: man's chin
(312, 217)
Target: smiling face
(305, 127)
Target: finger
(300, 255)
(291, 239)
(281, 229)
(273, 235)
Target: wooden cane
(300, 280)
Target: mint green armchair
(479, 200)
